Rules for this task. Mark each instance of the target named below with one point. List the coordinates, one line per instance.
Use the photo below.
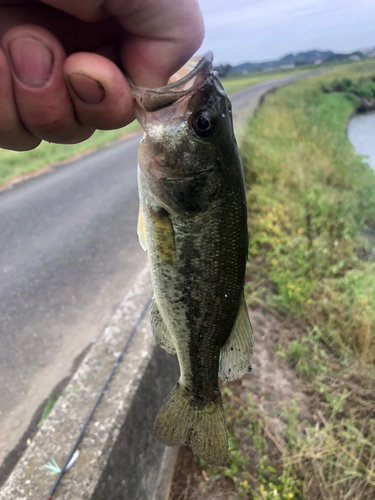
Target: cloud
(265, 29)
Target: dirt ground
(274, 386)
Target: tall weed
(311, 199)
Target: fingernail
(90, 91)
(32, 61)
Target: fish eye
(203, 124)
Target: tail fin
(182, 422)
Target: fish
(193, 224)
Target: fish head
(187, 123)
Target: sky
(261, 30)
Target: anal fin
(160, 330)
(237, 352)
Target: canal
(361, 133)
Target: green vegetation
(235, 84)
(311, 204)
(362, 88)
(47, 409)
(15, 165)
(311, 199)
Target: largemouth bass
(193, 224)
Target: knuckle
(18, 142)
(7, 129)
(13, 134)
(80, 135)
(45, 113)
(52, 125)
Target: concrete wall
(119, 457)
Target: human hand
(58, 77)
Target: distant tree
(223, 69)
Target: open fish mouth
(186, 80)
(183, 177)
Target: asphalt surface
(68, 254)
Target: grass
(311, 203)
(47, 409)
(365, 89)
(313, 198)
(16, 165)
(235, 84)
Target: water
(361, 133)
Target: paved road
(68, 254)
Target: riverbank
(302, 424)
(367, 105)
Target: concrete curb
(118, 456)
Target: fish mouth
(184, 177)
(188, 79)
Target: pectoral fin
(141, 229)
(160, 331)
(164, 236)
(237, 352)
